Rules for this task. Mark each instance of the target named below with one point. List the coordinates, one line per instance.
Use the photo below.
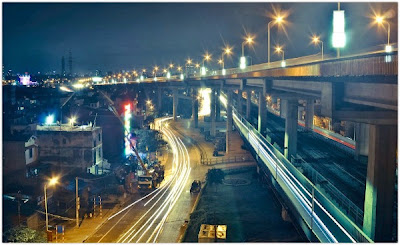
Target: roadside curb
(196, 203)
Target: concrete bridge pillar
(290, 128)
(218, 106)
(175, 104)
(248, 105)
(309, 120)
(195, 110)
(380, 183)
(362, 139)
(213, 113)
(228, 119)
(159, 99)
(239, 100)
(262, 113)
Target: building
(20, 154)
(71, 148)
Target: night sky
(113, 37)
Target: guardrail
(347, 206)
(327, 222)
(230, 159)
(319, 213)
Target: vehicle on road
(196, 186)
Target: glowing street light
(249, 40)
(72, 120)
(278, 20)
(53, 181)
(316, 41)
(148, 102)
(380, 20)
(279, 49)
(207, 57)
(227, 51)
(171, 66)
(49, 119)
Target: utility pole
(77, 202)
(70, 62)
(338, 49)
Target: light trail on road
(149, 226)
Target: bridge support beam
(195, 110)
(309, 120)
(262, 113)
(381, 179)
(217, 106)
(290, 143)
(228, 119)
(239, 102)
(175, 104)
(213, 113)
(248, 105)
(362, 139)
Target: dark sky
(116, 36)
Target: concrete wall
(77, 149)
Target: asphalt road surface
(156, 216)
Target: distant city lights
(25, 80)
(78, 85)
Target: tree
(23, 234)
(149, 140)
(215, 176)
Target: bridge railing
(327, 222)
(296, 61)
(348, 207)
(230, 159)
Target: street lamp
(227, 51)
(249, 40)
(278, 20)
(380, 20)
(279, 49)
(155, 73)
(52, 181)
(188, 63)
(72, 120)
(207, 57)
(316, 40)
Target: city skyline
(114, 36)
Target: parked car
(196, 186)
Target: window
(30, 152)
(99, 137)
(64, 141)
(94, 143)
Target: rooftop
(66, 128)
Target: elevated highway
(360, 88)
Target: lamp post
(227, 51)
(155, 73)
(279, 49)
(381, 20)
(51, 182)
(207, 57)
(248, 40)
(188, 62)
(278, 20)
(316, 40)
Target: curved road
(144, 219)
